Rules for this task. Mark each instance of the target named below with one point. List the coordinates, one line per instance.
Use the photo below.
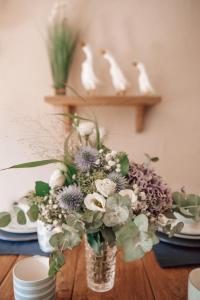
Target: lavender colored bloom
(158, 195)
(70, 198)
(86, 158)
(121, 182)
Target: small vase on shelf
(60, 91)
(100, 267)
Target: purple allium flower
(121, 182)
(70, 197)
(86, 157)
(158, 194)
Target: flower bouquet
(97, 195)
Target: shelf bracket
(140, 112)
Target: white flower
(97, 162)
(113, 153)
(118, 170)
(108, 156)
(130, 194)
(142, 195)
(102, 135)
(57, 179)
(95, 202)
(101, 151)
(111, 163)
(85, 128)
(106, 186)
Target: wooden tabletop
(139, 280)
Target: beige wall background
(164, 34)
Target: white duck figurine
(119, 81)
(88, 77)
(144, 83)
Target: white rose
(85, 128)
(130, 194)
(57, 179)
(95, 202)
(106, 187)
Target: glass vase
(100, 267)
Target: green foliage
(56, 261)
(135, 238)
(117, 210)
(187, 205)
(124, 163)
(33, 213)
(61, 46)
(5, 219)
(41, 188)
(94, 240)
(108, 235)
(21, 218)
(58, 241)
(34, 164)
(93, 220)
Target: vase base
(100, 288)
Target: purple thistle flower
(70, 198)
(158, 194)
(86, 157)
(121, 182)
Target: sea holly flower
(95, 202)
(119, 180)
(70, 198)
(57, 179)
(86, 158)
(85, 128)
(106, 187)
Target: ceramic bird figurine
(144, 83)
(88, 77)
(119, 81)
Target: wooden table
(139, 280)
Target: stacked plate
(19, 233)
(188, 237)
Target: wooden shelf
(140, 102)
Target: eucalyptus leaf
(56, 261)
(57, 240)
(108, 235)
(33, 213)
(176, 229)
(5, 219)
(21, 218)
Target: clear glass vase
(100, 267)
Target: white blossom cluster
(109, 161)
(50, 211)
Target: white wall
(165, 35)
